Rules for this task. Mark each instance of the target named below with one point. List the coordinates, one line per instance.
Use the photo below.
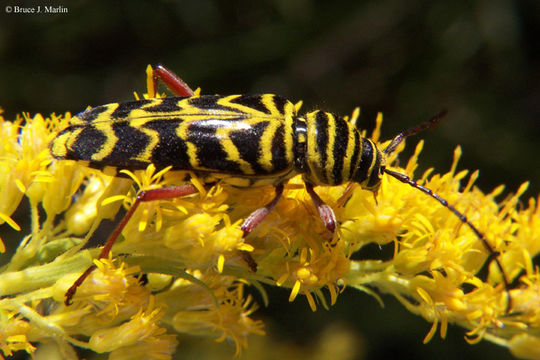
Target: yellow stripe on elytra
(146, 154)
(60, 143)
(330, 161)
(182, 133)
(104, 116)
(232, 151)
(110, 140)
(73, 137)
(265, 145)
(140, 116)
(101, 123)
(227, 101)
(153, 135)
(288, 115)
(288, 131)
(268, 101)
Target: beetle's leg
(164, 193)
(254, 219)
(246, 256)
(325, 212)
(172, 81)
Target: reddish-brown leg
(325, 212)
(251, 263)
(165, 193)
(254, 219)
(172, 81)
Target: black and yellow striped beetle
(243, 140)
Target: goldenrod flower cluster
(190, 252)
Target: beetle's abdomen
(243, 135)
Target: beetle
(242, 140)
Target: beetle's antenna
(413, 131)
(494, 255)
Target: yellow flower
(228, 318)
(143, 327)
(13, 334)
(193, 253)
(108, 288)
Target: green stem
(36, 277)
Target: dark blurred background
(478, 59)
